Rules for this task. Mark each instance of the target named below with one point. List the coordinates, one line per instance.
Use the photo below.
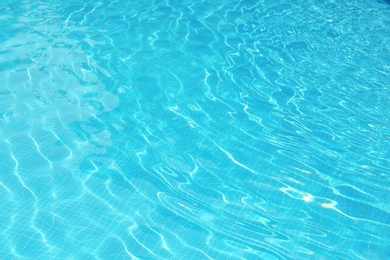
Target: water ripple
(202, 130)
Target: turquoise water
(195, 129)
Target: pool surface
(195, 129)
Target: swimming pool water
(195, 129)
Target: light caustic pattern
(194, 129)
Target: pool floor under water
(195, 129)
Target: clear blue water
(195, 129)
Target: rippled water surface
(195, 129)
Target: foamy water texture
(195, 129)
